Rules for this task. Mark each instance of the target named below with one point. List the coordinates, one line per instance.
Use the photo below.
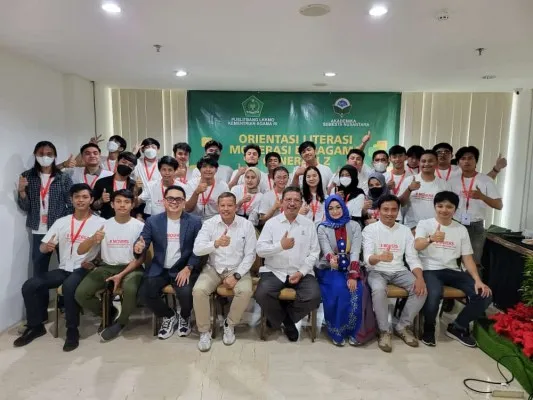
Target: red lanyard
(92, 183)
(447, 175)
(397, 188)
(246, 206)
(109, 166)
(44, 190)
(314, 208)
(151, 173)
(73, 236)
(206, 200)
(115, 187)
(467, 194)
(411, 171)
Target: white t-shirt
(107, 164)
(267, 202)
(446, 174)
(477, 208)
(316, 211)
(117, 246)
(65, 231)
(420, 204)
(147, 171)
(78, 175)
(445, 254)
(43, 206)
(355, 206)
(223, 173)
(207, 205)
(325, 173)
(173, 242)
(398, 181)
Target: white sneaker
(184, 326)
(167, 327)
(205, 341)
(229, 335)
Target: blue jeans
(41, 261)
(435, 280)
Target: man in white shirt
(182, 152)
(202, 193)
(213, 149)
(289, 245)
(272, 161)
(116, 145)
(252, 153)
(398, 174)
(92, 171)
(477, 193)
(384, 245)
(119, 268)
(230, 241)
(307, 151)
(146, 169)
(419, 191)
(414, 153)
(441, 242)
(66, 233)
(154, 193)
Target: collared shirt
(210, 197)
(303, 255)
(238, 256)
(378, 238)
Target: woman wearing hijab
(377, 188)
(338, 273)
(248, 195)
(353, 196)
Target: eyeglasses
(177, 200)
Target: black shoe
(29, 335)
(268, 324)
(290, 330)
(428, 338)
(72, 341)
(461, 335)
(111, 332)
(447, 305)
(113, 316)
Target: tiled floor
(138, 366)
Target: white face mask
(112, 146)
(380, 166)
(345, 181)
(150, 153)
(45, 161)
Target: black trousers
(267, 292)
(152, 287)
(35, 293)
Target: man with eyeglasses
(172, 235)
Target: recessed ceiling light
(314, 10)
(111, 7)
(488, 77)
(181, 73)
(330, 74)
(378, 10)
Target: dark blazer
(155, 231)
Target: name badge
(466, 218)
(44, 219)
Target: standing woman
(248, 195)
(377, 188)
(353, 196)
(43, 193)
(313, 195)
(338, 272)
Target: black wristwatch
(237, 276)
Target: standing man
(385, 243)
(398, 174)
(90, 154)
(477, 193)
(230, 241)
(252, 153)
(307, 151)
(380, 161)
(414, 153)
(182, 152)
(289, 245)
(172, 234)
(272, 161)
(146, 168)
(116, 145)
(213, 149)
(154, 193)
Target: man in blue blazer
(172, 234)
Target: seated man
(441, 241)
(384, 245)
(289, 244)
(115, 240)
(230, 241)
(67, 233)
(172, 234)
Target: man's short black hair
(124, 193)
(128, 156)
(443, 145)
(272, 154)
(213, 143)
(175, 187)
(168, 160)
(305, 145)
(415, 151)
(397, 150)
(206, 160)
(359, 152)
(289, 189)
(149, 141)
(181, 146)
(253, 147)
(467, 149)
(388, 197)
(446, 196)
(428, 151)
(280, 168)
(79, 187)
(89, 145)
(226, 195)
(378, 152)
(120, 140)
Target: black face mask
(375, 191)
(124, 170)
(214, 156)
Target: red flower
(517, 325)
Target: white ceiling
(268, 45)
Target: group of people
(336, 238)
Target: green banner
(280, 121)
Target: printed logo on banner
(342, 107)
(252, 107)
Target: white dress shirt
(303, 255)
(238, 256)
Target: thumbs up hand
(106, 197)
(51, 244)
(140, 245)
(71, 162)
(202, 187)
(386, 256)
(304, 209)
(438, 236)
(367, 137)
(391, 184)
(23, 183)
(241, 170)
(99, 235)
(367, 205)
(287, 242)
(414, 185)
(224, 240)
(477, 194)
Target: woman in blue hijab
(338, 274)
